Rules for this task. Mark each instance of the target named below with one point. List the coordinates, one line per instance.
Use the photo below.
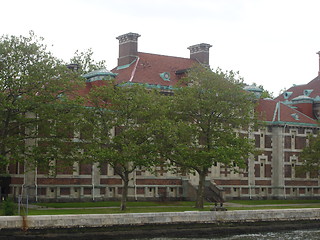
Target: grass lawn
(273, 207)
(145, 207)
(114, 204)
(111, 210)
(275, 202)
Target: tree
(202, 127)
(120, 118)
(310, 156)
(35, 88)
(84, 62)
(265, 93)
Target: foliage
(265, 93)
(35, 88)
(9, 207)
(310, 156)
(84, 60)
(201, 129)
(129, 111)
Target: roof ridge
(275, 112)
(165, 55)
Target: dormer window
(165, 76)
(307, 92)
(286, 95)
(295, 116)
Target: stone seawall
(143, 224)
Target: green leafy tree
(310, 157)
(265, 93)
(84, 62)
(37, 100)
(201, 127)
(120, 118)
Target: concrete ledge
(139, 219)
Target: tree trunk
(124, 196)
(200, 191)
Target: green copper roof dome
(254, 89)
(302, 98)
(100, 74)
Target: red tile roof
(298, 90)
(274, 111)
(148, 67)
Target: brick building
(272, 174)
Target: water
(282, 235)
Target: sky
(272, 43)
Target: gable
(275, 112)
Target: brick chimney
(200, 52)
(128, 48)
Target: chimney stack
(128, 48)
(200, 52)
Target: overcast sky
(270, 42)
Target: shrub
(8, 207)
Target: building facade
(272, 174)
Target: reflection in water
(283, 235)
